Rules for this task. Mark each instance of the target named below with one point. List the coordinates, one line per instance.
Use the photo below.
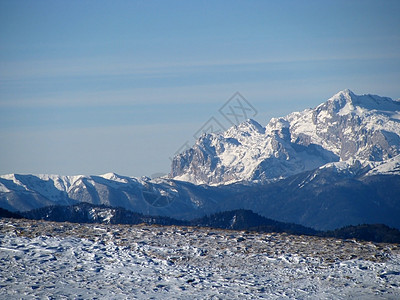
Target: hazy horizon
(96, 87)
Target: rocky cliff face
(335, 165)
(363, 127)
(345, 127)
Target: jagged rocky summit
(347, 130)
(335, 165)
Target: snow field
(61, 260)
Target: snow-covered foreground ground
(61, 260)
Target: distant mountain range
(328, 167)
(234, 220)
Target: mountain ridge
(335, 165)
(344, 127)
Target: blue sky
(89, 87)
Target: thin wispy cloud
(71, 66)
(105, 66)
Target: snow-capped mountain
(332, 196)
(153, 197)
(346, 127)
(335, 165)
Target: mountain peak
(346, 94)
(346, 126)
(346, 102)
(110, 176)
(248, 126)
(340, 100)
